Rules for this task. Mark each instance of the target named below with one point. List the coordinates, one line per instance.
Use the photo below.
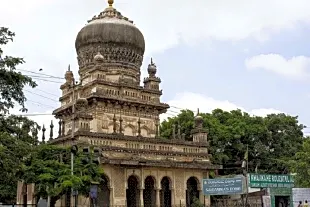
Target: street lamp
(95, 159)
(244, 167)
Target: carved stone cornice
(135, 139)
(114, 98)
(165, 164)
(128, 85)
(153, 152)
(83, 115)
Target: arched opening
(165, 193)
(132, 192)
(129, 130)
(104, 193)
(191, 191)
(149, 193)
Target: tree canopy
(271, 141)
(49, 167)
(17, 134)
(300, 165)
(12, 82)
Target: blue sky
(252, 55)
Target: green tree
(49, 168)
(12, 82)
(17, 134)
(270, 141)
(301, 165)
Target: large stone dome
(114, 36)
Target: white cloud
(295, 67)
(192, 101)
(164, 23)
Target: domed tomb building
(113, 111)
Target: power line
(41, 104)
(43, 114)
(40, 95)
(50, 76)
(42, 79)
(47, 92)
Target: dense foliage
(301, 165)
(21, 158)
(17, 134)
(49, 167)
(12, 82)
(271, 141)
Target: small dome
(69, 75)
(98, 57)
(152, 69)
(198, 120)
(113, 35)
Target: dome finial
(110, 2)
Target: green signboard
(270, 181)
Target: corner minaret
(152, 82)
(199, 133)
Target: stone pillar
(158, 197)
(173, 197)
(201, 196)
(141, 197)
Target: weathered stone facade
(112, 111)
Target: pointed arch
(149, 192)
(133, 191)
(104, 191)
(145, 131)
(192, 190)
(165, 192)
(130, 130)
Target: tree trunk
(53, 201)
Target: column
(157, 197)
(141, 197)
(172, 197)
(201, 196)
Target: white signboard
(300, 194)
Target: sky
(252, 55)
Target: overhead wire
(41, 95)
(44, 74)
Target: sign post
(223, 186)
(270, 181)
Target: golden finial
(110, 2)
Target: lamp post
(74, 147)
(95, 159)
(245, 174)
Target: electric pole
(72, 139)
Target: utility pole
(72, 137)
(245, 167)
(95, 159)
